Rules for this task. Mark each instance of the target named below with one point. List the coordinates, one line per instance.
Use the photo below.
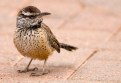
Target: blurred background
(91, 25)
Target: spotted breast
(33, 43)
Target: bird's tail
(68, 47)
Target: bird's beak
(45, 13)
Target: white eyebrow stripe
(29, 14)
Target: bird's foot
(39, 74)
(27, 70)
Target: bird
(34, 39)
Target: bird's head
(31, 12)
(29, 16)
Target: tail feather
(67, 47)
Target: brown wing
(51, 38)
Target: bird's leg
(27, 68)
(43, 71)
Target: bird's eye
(29, 16)
(32, 16)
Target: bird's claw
(27, 70)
